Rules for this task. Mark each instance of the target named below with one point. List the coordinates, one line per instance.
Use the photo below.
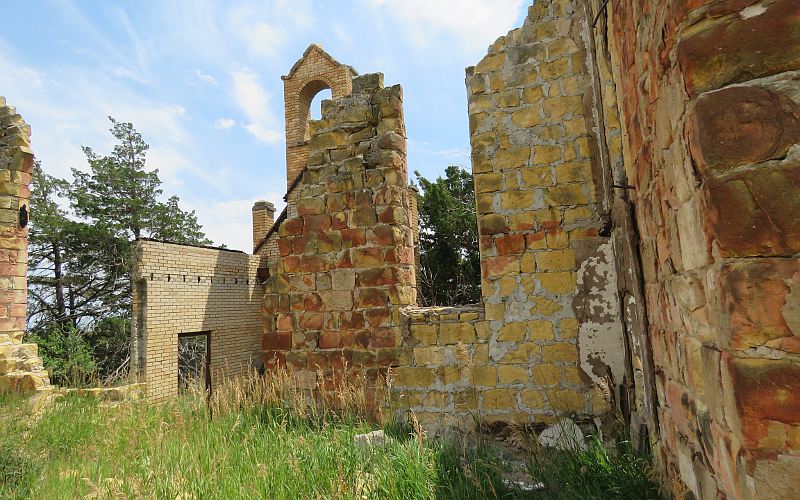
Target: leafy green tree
(66, 353)
(449, 259)
(81, 246)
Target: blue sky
(200, 79)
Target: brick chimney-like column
(263, 218)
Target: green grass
(600, 471)
(79, 448)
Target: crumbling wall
(182, 289)
(21, 368)
(545, 264)
(346, 264)
(709, 95)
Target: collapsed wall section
(346, 264)
(708, 93)
(181, 289)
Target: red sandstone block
(765, 391)
(386, 235)
(313, 263)
(509, 244)
(284, 246)
(498, 266)
(755, 294)
(386, 337)
(296, 301)
(535, 241)
(401, 255)
(310, 206)
(738, 49)
(300, 244)
(311, 320)
(361, 338)
(756, 212)
(291, 263)
(372, 297)
(378, 316)
(285, 322)
(18, 310)
(393, 215)
(336, 202)
(741, 125)
(485, 243)
(346, 338)
(316, 224)
(276, 341)
(353, 237)
(376, 277)
(291, 227)
(351, 320)
(312, 302)
(329, 339)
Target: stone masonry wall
(346, 263)
(545, 265)
(184, 289)
(709, 95)
(21, 368)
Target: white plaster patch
(752, 11)
(600, 339)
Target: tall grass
(274, 437)
(269, 439)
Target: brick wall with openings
(21, 368)
(709, 95)
(316, 70)
(346, 264)
(184, 289)
(545, 266)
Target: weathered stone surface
(757, 212)
(758, 296)
(737, 49)
(740, 125)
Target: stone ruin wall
(344, 277)
(346, 264)
(21, 369)
(180, 289)
(587, 142)
(709, 95)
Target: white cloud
(224, 123)
(476, 23)
(205, 77)
(263, 27)
(253, 100)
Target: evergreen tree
(80, 259)
(449, 259)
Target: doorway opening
(194, 362)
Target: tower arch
(315, 71)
